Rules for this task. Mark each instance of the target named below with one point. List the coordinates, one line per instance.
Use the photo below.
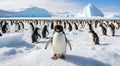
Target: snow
(113, 16)
(16, 49)
(90, 11)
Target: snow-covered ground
(16, 49)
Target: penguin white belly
(59, 43)
(91, 38)
(109, 31)
(100, 31)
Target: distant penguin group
(40, 29)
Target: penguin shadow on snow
(42, 42)
(104, 44)
(83, 61)
(117, 36)
(80, 30)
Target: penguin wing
(69, 43)
(50, 41)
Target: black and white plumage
(59, 43)
(94, 37)
(35, 35)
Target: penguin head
(58, 28)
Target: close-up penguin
(59, 43)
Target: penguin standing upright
(52, 25)
(90, 27)
(35, 35)
(44, 31)
(5, 28)
(59, 43)
(102, 30)
(111, 30)
(76, 27)
(69, 26)
(32, 27)
(94, 37)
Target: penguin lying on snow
(35, 35)
(59, 43)
(94, 37)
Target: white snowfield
(16, 49)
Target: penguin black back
(4, 28)
(104, 30)
(95, 37)
(76, 27)
(90, 27)
(44, 31)
(52, 25)
(69, 27)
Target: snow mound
(90, 11)
(15, 40)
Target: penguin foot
(54, 57)
(62, 57)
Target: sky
(108, 7)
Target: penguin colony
(39, 30)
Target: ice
(90, 11)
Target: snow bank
(13, 40)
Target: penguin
(22, 25)
(96, 23)
(64, 25)
(69, 27)
(35, 35)
(32, 27)
(17, 27)
(52, 25)
(102, 30)
(59, 43)
(113, 29)
(76, 27)
(110, 30)
(44, 31)
(90, 27)
(94, 37)
(5, 28)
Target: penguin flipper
(50, 41)
(69, 44)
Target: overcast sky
(74, 6)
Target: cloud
(111, 10)
(51, 5)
